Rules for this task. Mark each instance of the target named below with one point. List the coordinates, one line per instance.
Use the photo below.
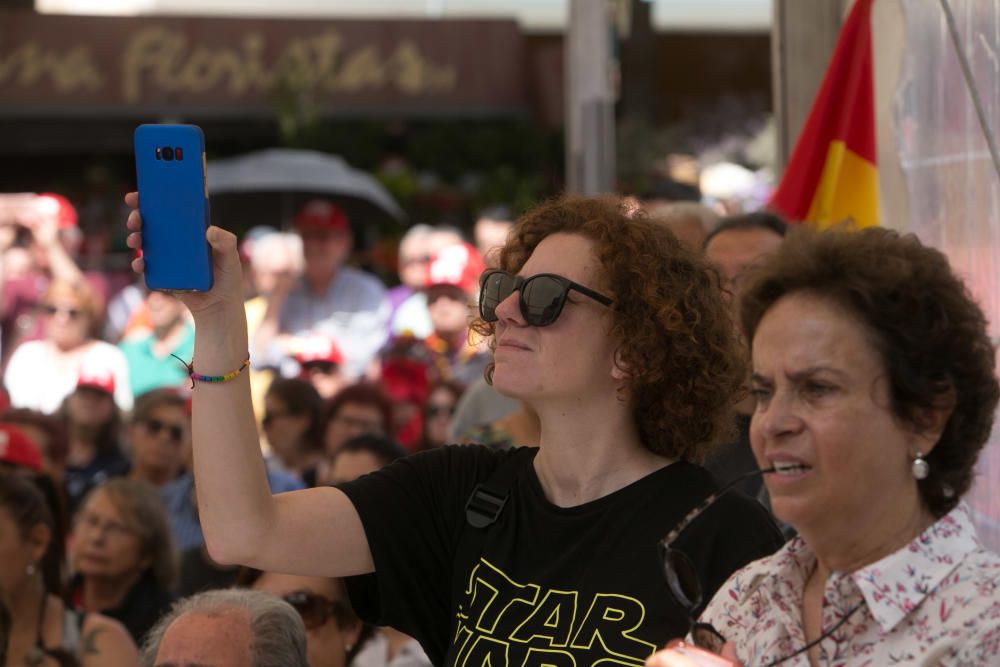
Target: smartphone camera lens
(168, 153)
(178, 153)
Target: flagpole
(970, 82)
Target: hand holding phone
(173, 202)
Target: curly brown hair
(930, 334)
(685, 365)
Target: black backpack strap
(488, 498)
(482, 509)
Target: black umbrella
(268, 187)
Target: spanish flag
(832, 175)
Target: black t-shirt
(553, 585)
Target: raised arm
(311, 532)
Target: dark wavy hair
(678, 341)
(29, 503)
(301, 398)
(930, 334)
(365, 393)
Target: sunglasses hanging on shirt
(685, 586)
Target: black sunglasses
(316, 610)
(685, 586)
(154, 426)
(541, 299)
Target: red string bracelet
(231, 375)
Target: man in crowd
(150, 364)
(451, 288)
(330, 299)
(490, 232)
(228, 628)
(321, 364)
(159, 434)
(733, 247)
(690, 222)
(411, 317)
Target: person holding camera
(617, 337)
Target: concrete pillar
(803, 35)
(590, 99)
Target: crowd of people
(677, 425)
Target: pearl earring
(30, 570)
(920, 467)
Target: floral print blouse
(934, 602)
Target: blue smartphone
(173, 202)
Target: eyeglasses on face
(541, 297)
(71, 313)
(88, 521)
(316, 610)
(154, 426)
(685, 585)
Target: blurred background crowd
(347, 375)
(360, 282)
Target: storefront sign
(124, 66)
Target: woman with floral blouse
(876, 390)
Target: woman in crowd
(438, 411)
(360, 409)
(874, 378)
(93, 426)
(158, 435)
(292, 410)
(122, 555)
(43, 630)
(71, 312)
(334, 634)
(616, 335)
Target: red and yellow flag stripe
(832, 174)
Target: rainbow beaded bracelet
(231, 375)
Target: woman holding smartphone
(617, 337)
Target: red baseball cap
(406, 380)
(321, 214)
(59, 206)
(318, 348)
(459, 265)
(17, 449)
(101, 381)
